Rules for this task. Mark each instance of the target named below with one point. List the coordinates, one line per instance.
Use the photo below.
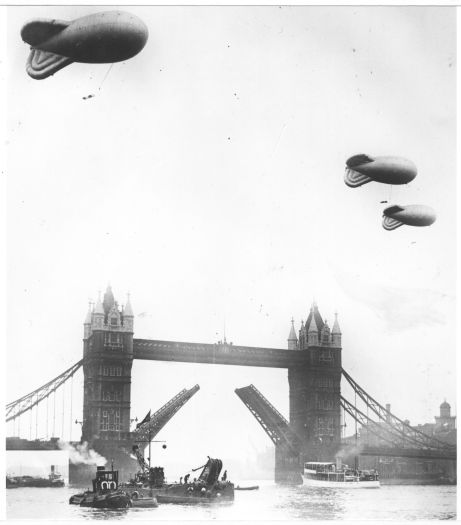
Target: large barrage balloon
(412, 215)
(362, 169)
(111, 36)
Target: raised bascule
(313, 363)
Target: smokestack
(388, 415)
(339, 464)
(52, 469)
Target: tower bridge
(313, 362)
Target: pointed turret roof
(312, 325)
(88, 315)
(128, 311)
(292, 336)
(98, 309)
(336, 329)
(109, 300)
(314, 313)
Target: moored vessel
(332, 475)
(54, 479)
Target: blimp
(107, 37)
(411, 215)
(361, 169)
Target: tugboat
(106, 493)
(54, 479)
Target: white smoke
(349, 450)
(82, 455)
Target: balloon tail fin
(42, 64)
(391, 224)
(354, 179)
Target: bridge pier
(108, 359)
(288, 466)
(315, 390)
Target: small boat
(252, 487)
(105, 494)
(336, 475)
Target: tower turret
(325, 336)
(312, 332)
(292, 339)
(302, 336)
(336, 333)
(108, 302)
(98, 315)
(87, 323)
(445, 409)
(128, 316)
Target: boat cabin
(105, 480)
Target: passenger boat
(335, 475)
(105, 494)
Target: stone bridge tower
(315, 389)
(108, 353)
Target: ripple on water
(270, 502)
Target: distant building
(417, 470)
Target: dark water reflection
(271, 502)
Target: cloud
(400, 308)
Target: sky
(205, 178)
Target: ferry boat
(332, 475)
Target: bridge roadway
(418, 453)
(219, 354)
(349, 447)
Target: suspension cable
(71, 395)
(47, 411)
(63, 401)
(54, 414)
(36, 420)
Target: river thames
(270, 502)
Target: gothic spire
(109, 300)
(336, 329)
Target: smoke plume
(81, 454)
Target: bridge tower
(315, 389)
(108, 353)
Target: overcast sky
(205, 177)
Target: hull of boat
(308, 482)
(112, 501)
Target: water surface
(270, 502)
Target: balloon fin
(356, 160)
(42, 64)
(393, 209)
(354, 179)
(391, 224)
